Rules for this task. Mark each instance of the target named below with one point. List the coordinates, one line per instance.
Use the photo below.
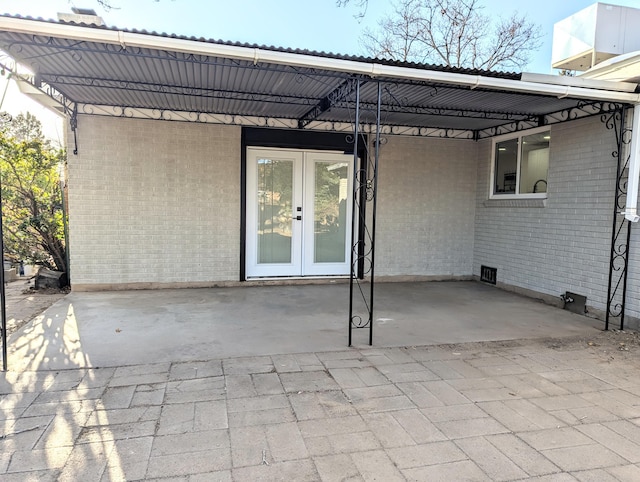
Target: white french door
(298, 213)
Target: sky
(310, 24)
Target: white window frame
(518, 135)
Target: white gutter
(633, 183)
(255, 55)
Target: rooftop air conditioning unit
(593, 35)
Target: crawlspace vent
(488, 275)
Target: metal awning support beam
(442, 111)
(186, 91)
(140, 112)
(337, 95)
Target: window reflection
(275, 198)
(330, 211)
(522, 164)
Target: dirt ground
(609, 345)
(614, 344)
(25, 303)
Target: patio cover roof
(105, 71)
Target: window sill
(515, 203)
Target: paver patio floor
(541, 409)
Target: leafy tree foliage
(30, 169)
(455, 33)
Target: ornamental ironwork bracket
(73, 122)
(580, 110)
(339, 94)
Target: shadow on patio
(137, 327)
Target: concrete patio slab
(136, 327)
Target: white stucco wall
(564, 245)
(426, 207)
(153, 202)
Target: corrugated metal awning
(160, 76)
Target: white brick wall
(154, 202)
(426, 207)
(565, 245)
(159, 202)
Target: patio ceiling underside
(101, 78)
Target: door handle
(298, 218)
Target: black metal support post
(3, 295)
(374, 174)
(621, 228)
(365, 188)
(353, 278)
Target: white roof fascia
(586, 82)
(257, 55)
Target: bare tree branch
(455, 33)
(398, 37)
(361, 4)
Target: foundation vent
(488, 275)
(574, 302)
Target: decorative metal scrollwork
(365, 187)
(73, 122)
(616, 121)
(580, 110)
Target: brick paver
(466, 412)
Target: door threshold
(283, 280)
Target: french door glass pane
(330, 211)
(275, 200)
